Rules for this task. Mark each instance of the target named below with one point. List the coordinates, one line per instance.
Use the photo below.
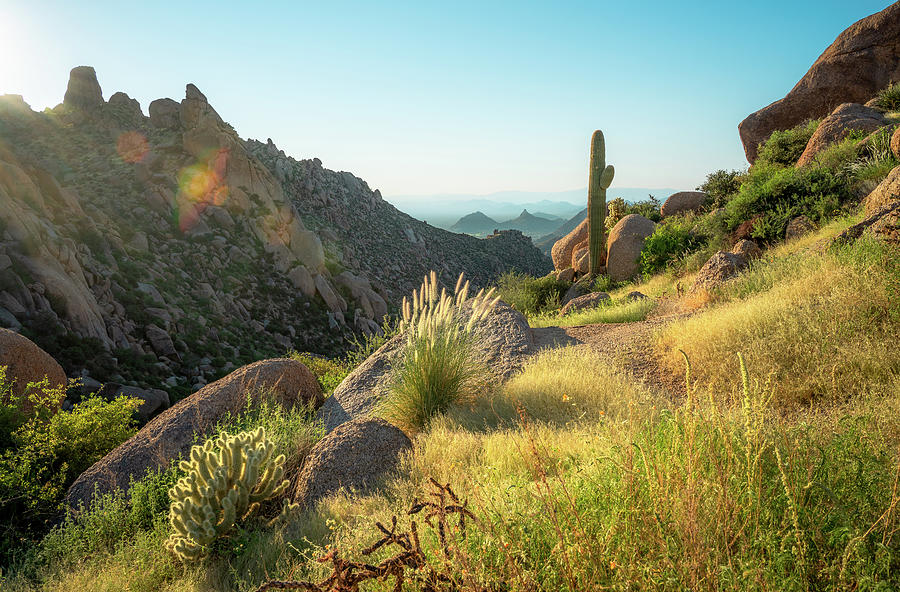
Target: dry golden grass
(823, 325)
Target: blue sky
(463, 97)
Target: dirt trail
(625, 345)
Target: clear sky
(447, 97)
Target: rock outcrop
(582, 302)
(624, 245)
(27, 363)
(864, 59)
(172, 433)
(83, 91)
(564, 248)
(887, 192)
(720, 268)
(846, 118)
(354, 456)
(683, 202)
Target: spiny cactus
(600, 179)
(226, 479)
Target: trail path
(625, 345)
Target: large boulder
(846, 118)
(683, 202)
(563, 249)
(353, 456)
(718, 269)
(83, 91)
(504, 342)
(26, 363)
(626, 240)
(582, 302)
(748, 249)
(173, 432)
(888, 191)
(863, 59)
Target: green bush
(784, 147)
(328, 372)
(774, 195)
(889, 98)
(671, 240)
(648, 208)
(47, 454)
(531, 296)
(722, 184)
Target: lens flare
(201, 185)
(132, 147)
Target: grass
(617, 312)
(822, 325)
(438, 366)
(889, 98)
(531, 296)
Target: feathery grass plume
(226, 480)
(438, 367)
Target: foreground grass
(582, 480)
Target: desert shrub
(889, 98)
(361, 347)
(648, 208)
(438, 367)
(774, 195)
(529, 295)
(48, 454)
(671, 240)
(784, 147)
(328, 372)
(722, 184)
(877, 161)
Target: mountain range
(445, 210)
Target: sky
(422, 98)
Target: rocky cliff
(166, 250)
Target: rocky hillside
(166, 250)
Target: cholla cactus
(226, 479)
(616, 212)
(430, 311)
(601, 176)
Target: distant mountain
(444, 210)
(477, 224)
(530, 225)
(545, 243)
(548, 216)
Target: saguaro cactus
(226, 480)
(600, 179)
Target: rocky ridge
(165, 251)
